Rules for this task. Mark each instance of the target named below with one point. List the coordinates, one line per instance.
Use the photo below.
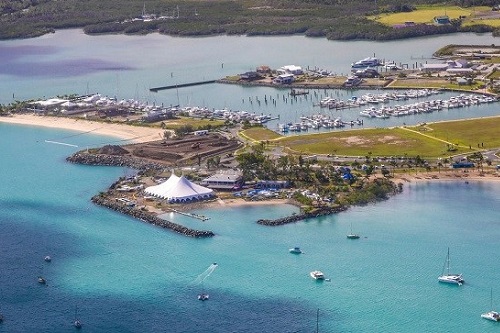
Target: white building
(290, 69)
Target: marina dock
(190, 84)
(196, 216)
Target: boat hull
(492, 315)
(451, 279)
(317, 275)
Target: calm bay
(128, 276)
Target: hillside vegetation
(333, 19)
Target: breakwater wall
(182, 85)
(150, 218)
(323, 211)
(114, 160)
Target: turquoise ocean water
(127, 276)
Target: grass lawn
(427, 141)
(433, 84)
(374, 142)
(494, 75)
(426, 14)
(259, 134)
(468, 132)
(194, 122)
(490, 22)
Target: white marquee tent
(179, 189)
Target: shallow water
(128, 276)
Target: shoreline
(134, 134)
(448, 175)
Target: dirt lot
(191, 149)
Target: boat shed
(224, 181)
(284, 79)
(290, 69)
(459, 70)
(433, 68)
(442, 19)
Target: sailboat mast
(317, 321)
(491, 298)
(448, 262)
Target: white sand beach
(134, 134)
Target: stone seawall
(298, 217)
(151, 218)
(114, 160)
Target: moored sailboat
(491, 315)
(352, 235)
(448, 277)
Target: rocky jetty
(114, 160)
(298, 217)
(149, 217)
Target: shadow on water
(31, 307)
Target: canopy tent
(179, 189)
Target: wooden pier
(175, 86)
(196, 216)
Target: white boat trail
(61, 143)
(205, 274)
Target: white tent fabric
(179, 189)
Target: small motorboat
(41, 280)
(47, 259)
(203, 297)
(295, 250)
(77, 324)
(317, 275)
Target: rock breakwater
(298, 217)
(149, 217)
(114, 160)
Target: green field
(426, 14)
(490, 22)
(259, 134)
(435, 84)
(194, 122)
(427, 141)
(469, 132)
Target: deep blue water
(128, 276)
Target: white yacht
(203, 297)
(492, 315)
(317, 275)
(367, 62)
(447, 277)
(295, 250)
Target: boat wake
(61, 143)
(205, 274)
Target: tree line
(333, 19)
